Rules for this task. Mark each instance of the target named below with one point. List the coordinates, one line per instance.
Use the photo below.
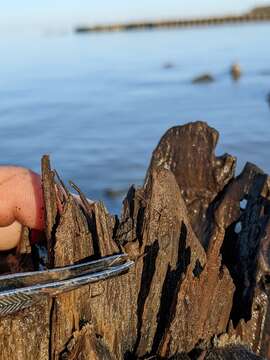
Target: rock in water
(168, 65)
(203, 79)
(235, 71)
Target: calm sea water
(98, 104)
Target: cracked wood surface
(199, 237)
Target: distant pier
(254, 16)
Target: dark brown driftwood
(200, 239)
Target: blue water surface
(99, 103)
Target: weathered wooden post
(199, 289)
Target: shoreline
(177, 23)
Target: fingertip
(10, 236)
(29, 203)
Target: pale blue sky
(65, 14)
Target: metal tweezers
(22, 290)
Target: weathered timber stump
(200, 239)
